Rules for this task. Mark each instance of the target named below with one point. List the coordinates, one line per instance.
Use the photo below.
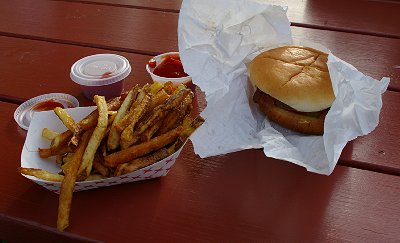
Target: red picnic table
(241, 196)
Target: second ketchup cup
(168, 67)
(101, 74)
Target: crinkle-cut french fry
(41, 174)
(123, 156)
(68, 183)
(49, 134)
(95, 139)
(115, 134)
(141, 162)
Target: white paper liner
(30, 157)
(217, 39)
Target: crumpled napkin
(217, 39)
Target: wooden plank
(378, 151)
(376, 56)
(241, 196)
(360, 16)
(160, 5)
(102, 27)
(49, 65)
(18, 230)
(36, 67)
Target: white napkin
(216, 41)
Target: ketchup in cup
(168, 67)
(47, 105)
(46, 102)
(101, 74)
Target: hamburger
(294, 88)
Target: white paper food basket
(30, 157)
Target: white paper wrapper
(34, 140)
(216, 41)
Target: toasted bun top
(297, 76)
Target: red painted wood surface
(242, 196)
(376, 56)
(19, 230)
(83, 24)
(49, 66)
(378, 150)
(357, 16)
(161, 5)
(32, 68)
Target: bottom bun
(304, 122)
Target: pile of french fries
(125, 134)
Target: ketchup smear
(47, 105)
(106, 75)
(170, 67)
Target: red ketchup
(106, 75)
(152, 63)
(47, 105)
(170, 67)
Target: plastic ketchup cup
(173, 73)
(101, 74)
